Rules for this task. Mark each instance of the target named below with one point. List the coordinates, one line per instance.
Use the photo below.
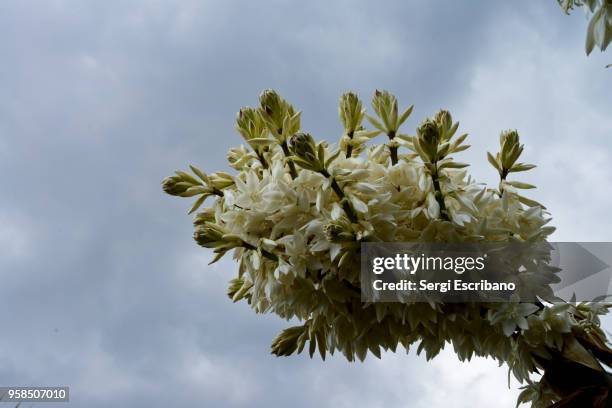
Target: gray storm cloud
(104, 290)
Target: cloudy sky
(102, 287)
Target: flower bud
(239, 157)
(207, 215)
(271, 103)
(339, 230)
(428, 135)
(175, 185)
(351, 112)
(428, 132)
(303, 146)
(250, 125)
(444, 119)
(278, 115)
(385, 106)
(273, 110)
(511, 149)
(244, 118)
(209, 235)
(221, 180)
(287, 342)
(508, 138)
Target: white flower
(249, 193)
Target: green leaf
(443, 150)
(419, 150)
(361, 350)
(574, 351)
(460, 148)
(591, 30)
(197, 204)
(302, 341)
(458, 141)
(385, 118)
(494, 162)
(199, 173)
(192, 191)
(529, 202)
(313, 346)
(322, 343)
(260, 141)
(453, 130)
(188, 177)
(376, 123)
(452, 165)
(405, 115)
(240, 294)
(521, 167)
(302, 163)
(528, 394)
(607, 23)
(217, 257)
(393, 118)
(332, 158)
(518, 184)
(321, 154)
(375, 349)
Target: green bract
(296, 210)
(599, 30)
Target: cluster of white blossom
(295, 212)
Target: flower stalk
(252, 128)
(312, 157)
(185, 185)
(351, 113)
(211, 235)
(281, 120)
(287, 153)
(389, 122)
(427, 142)
(506, 161)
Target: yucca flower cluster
(295, 211)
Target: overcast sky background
(103, 288)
